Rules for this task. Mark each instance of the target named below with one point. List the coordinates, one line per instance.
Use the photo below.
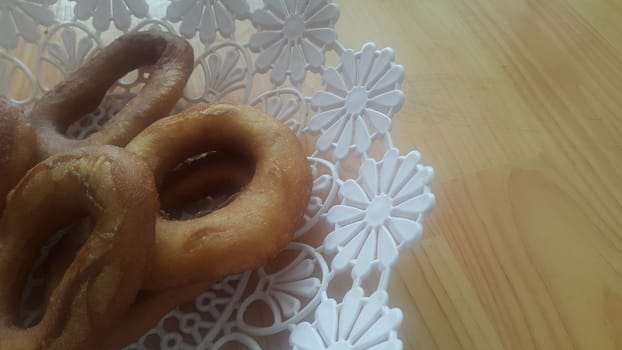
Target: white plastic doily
(329, 289)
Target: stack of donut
(139, 259)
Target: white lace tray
(369, 199)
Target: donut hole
(95, 120)
(116, 98)
(201, 184)
(54, 258)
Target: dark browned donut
(117, 190)
(172, 60)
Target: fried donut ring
(253, 227)
(211, 175)
(215, 173)
(118, 191)
(172, 59)
(17, 148)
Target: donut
(212, 175)
(115, 189)
(17, 148)
(256, 224)
(172, 60)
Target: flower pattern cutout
(321, 184)
(200, 328)
(323, 192)
(285, 112)
(105, 11)
(73, 52)
(221, 74)
(357, 323)
(288, 284)
(207, 17)
(286, 104)
(358, 100)
(380, 212)
(293, 35)
(21, 18)
(289, 292)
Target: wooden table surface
(517, 104)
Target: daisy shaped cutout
(106, 11)
(21, 18)
(359, 99)
(293, 36)
(207, 17)
(380, 212)
(357, 323)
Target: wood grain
(517, 104)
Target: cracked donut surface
(117, 190)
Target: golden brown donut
(117, 190)
(253, 227)
(172, 60)
(211, 175)
(17, 148)
(215, 173)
